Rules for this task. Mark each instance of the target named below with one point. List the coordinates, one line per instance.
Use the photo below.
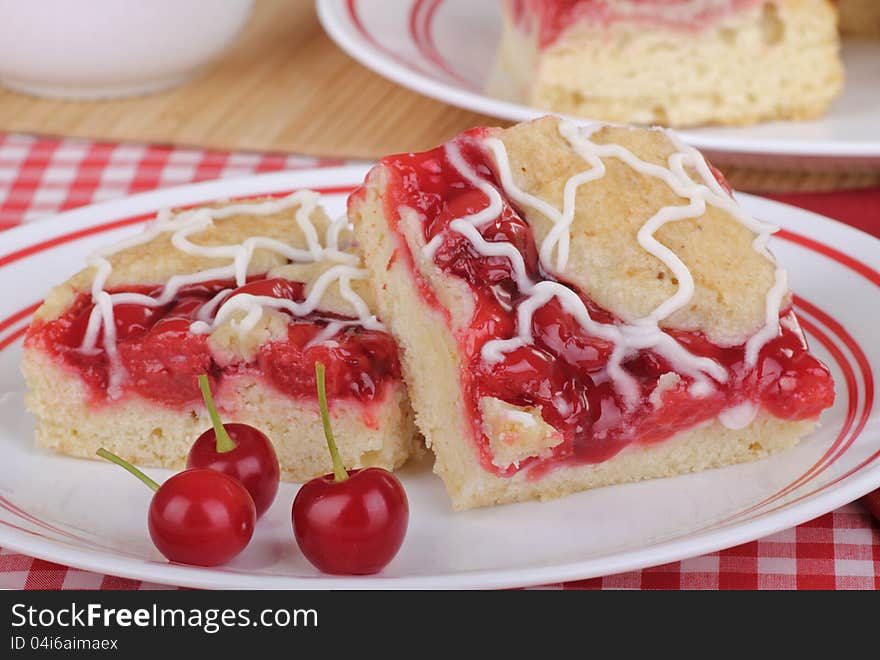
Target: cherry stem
(224, 442)
(113, 458)
(338, 466)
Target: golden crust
(607, 262)
(700, 448)
(157, 261)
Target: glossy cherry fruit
(198, 516)
(349, 522)
(238, 450)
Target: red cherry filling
(562, 336)
(273, 288)
(551, 18)
(162, 358)
(162, 362)
(795, 385)
(532, 377)
(563, 370)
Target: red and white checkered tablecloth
(39, 177)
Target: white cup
(88, 49)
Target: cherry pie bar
(252, 293)
(671, 62)
(579, 307)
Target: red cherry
(238, 450)
(349, 522)
(199, 516)
(252, 461)
(354, 526)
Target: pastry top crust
(156, 261)
(606, 260)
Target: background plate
(445, 49)
(92, 515)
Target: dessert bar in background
(673, 62)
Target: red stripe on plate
(27, 311)
(842, 258)
(353, 14)
(12, 338)
(838, 447)
(873, 457)
(72, 236)
(839, 442)
(124, 222)
(28, 517)
(22, 529)
(861, 359)
(868, 378)
(421, 20)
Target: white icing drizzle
(327, 334)
(253, 306)
(488, 214)
(642, 333)
(222, 307)
(520, 417)
(771, 317)
(739, 416)
(559, 237)
(332, 249)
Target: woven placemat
(286, 87)
(781, 181)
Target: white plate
(445, 49)
(92, 515)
